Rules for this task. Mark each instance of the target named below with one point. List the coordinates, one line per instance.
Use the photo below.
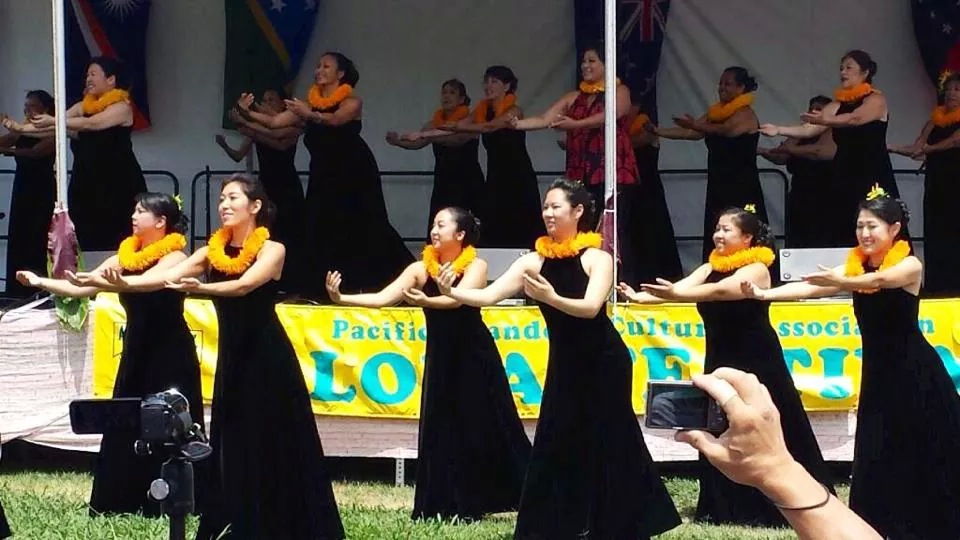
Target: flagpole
(610, 121)
(60, 97)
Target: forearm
(532, 123)
(776, 157)
(577, 307)
(413, 145)
(259, 118)
(804, 131)
(440, 302)
(811, 152)
(61, 287)
(473, 297)
(369, 300)
(143, 283)
(234, 287)
(236, 156)
(678, 133)
(798, 291)
(706, 292)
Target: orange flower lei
(317, 101)
(93, 105)
(941, 117)
(431, 260)
(857, 258)
(637, 125)
(456, 115)
(718, 112)
(594, 87)
(216, 250)
(858, 92)
(550, 249)
(480, 113)
(734, 261)
(134, 259)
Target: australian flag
(112, 28)
(936, 24)
(640, 27)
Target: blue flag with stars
(935, 25)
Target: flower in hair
(179, 200)
(752, 208)
(944, 75)
(876, 192)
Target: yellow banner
(367, 362)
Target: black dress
(158, 354)
(941, 233)
(813, 220)
(732, 180)
(278, 174)
(658, 256)
(739, 335)
(31, 208)
(4, 526)
(512, 217)
(457, 179)
(472, 449)
(590, 475)
(861, 161)
(906, 478)
(268, 477)
(347, 226)
(106, 179)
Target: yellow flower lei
(734, 261)
(847, 95)
(594, 87)
(216, 250)
(943, 118)
(431, 260)
(317, 101)
(93, 105)
(548, 248)
(439, 118)
(134, 259)
(718, 112)
(857, 258)
(638, 123)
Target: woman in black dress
(268, 476)
(457, 177)
(4, 526)
(106, 174)
(857, 119)
(906, 478)
(33, 194)
(939, 145)
(739, 335)
(512, 193)
(472, 451)
(813, 187)
(590, 473)
(158, 349)
(660, 258)
(276, 153)
(345, 206)
(729, 130)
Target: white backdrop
(405, 48)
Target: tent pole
(60, 96)
(610, 121)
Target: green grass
(52, 505)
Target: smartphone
(681, 405)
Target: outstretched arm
(391, 295)
(598, 265)
(507, 285)
(474, 277)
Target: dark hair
(350, 74)
(461, 88)
(820, 100)
(750, 223)
(597, 47)
(742, 77)
(165, 206)
(504, 74)
(942, 89)
(111, 68)
(890, 210)
(466, 222)
(278, 90)
(45, 99)
(863, 59)
(577, 195)
(254, 191)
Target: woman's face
(235, 208)
(32, 107)
(851, 74)
(728, 88)
(327, 71)
(874, 235)
(728, 238)
(951, 95)
(145, 222)
(591, 67)
(494, 88)
(272, 103)
(450, 97)
(559, 217)
(444, 232)
(97, 82)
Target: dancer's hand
(298, 107)
(28, 278)
(81, 279)
(564, 123)
(412, 137)
(627, 291)
(42, 120)
(333, 286)
(751, 290)
(393, 138)
(770, 130)
(752, 450)
(537, 287)
(661, 289)
(686, 121)
(114, 276)
(415, 297)
(187, 284)
(9, 124)
(245, 101)
(235, 117)
(826, 277)
(651, 128)
(812, 117)
(446, 278)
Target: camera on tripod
(162, 426)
